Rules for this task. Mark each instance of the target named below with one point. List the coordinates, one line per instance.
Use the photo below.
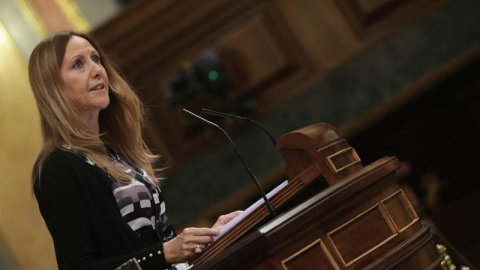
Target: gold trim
(30, 14)
(447, 263)
(73, 13)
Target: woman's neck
(92, 123)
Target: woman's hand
(224, 219)
(182, 247)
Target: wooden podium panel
(362, 221)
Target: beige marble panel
(21, 225)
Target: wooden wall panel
(323, 31)
(263, 59)
(272, 50)
(255, 56)
(371, 18)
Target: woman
(93, 179)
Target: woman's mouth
(100, 86)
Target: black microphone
(271, 209)
(242, 119)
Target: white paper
(249, 210)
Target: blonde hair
(121, 123)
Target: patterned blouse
(141, 202)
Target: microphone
(241, 119)
(271, 209)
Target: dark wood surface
(362, 220)
(272, 51)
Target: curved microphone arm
(241, 119)
(270, 207)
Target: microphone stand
(271, 209)
(241, 119)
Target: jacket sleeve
(64, 209)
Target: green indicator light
(213, 75)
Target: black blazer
(84, 220)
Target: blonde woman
(93, 179)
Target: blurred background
(397, 78)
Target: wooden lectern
(363, 220)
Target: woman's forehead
(76, 43)
(77, 46)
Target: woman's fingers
(232, 215)
(193, 241)
(191, 237)
(183, 246)
(194, 236)
(200, 231)
(224, 219)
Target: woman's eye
(77, 64)
(96, 59)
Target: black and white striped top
(139, 204)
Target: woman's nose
(96, 70)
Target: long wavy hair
(121, 123)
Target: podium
(361, 220)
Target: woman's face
(84, 78)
